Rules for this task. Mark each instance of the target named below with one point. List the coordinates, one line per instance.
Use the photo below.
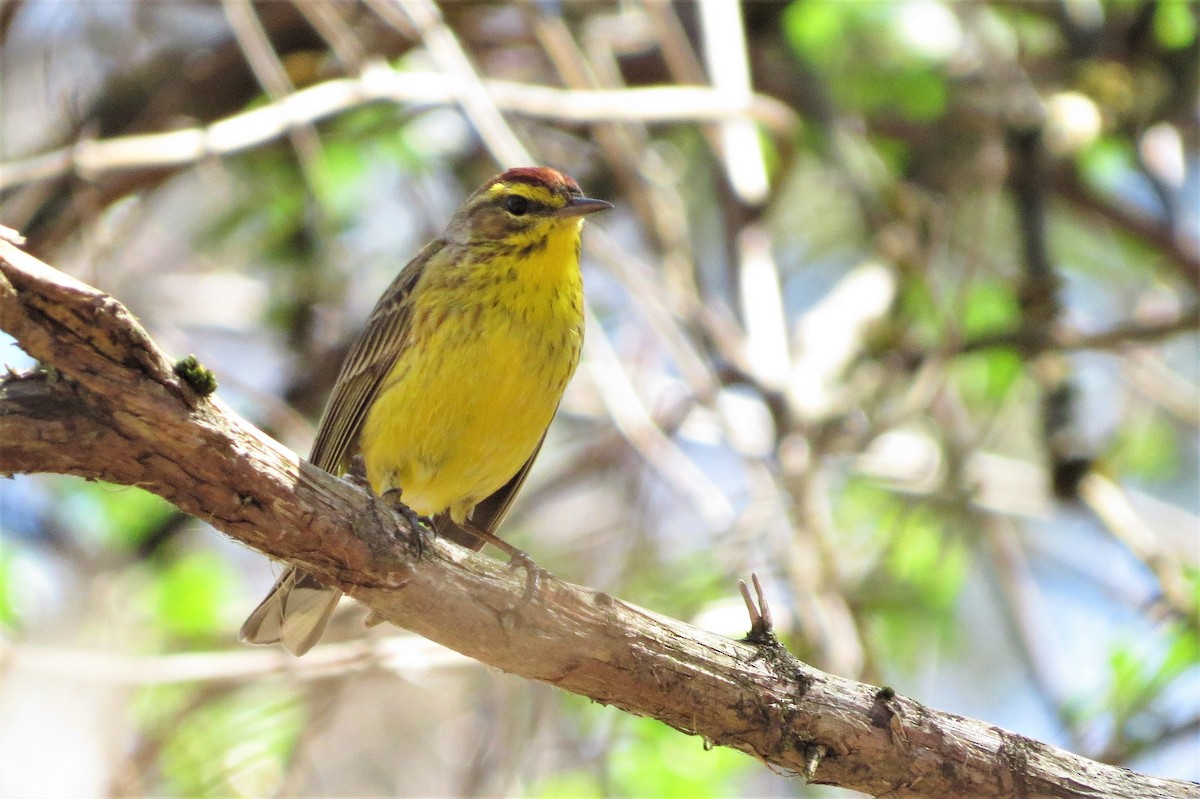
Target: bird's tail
(294, 613)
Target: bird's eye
(516, 205)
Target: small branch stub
(762, 628)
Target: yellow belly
(468, 400)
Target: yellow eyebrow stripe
(535, 193)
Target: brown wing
(489, 514)
(367, 364)
(298, 607)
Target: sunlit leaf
(991, 307)
(190, 593)
(924, 557)
(338, 176)
(116, 516)
(1106, 162)
(1148, 448)
(815, 29)
(1175, 23)
(656, 760)
(235, 746)
(8, 563)
(985, 377)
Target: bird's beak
(582, 206)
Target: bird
(447, 393)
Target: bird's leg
(369, 524)
(422, 526)
(534, 574)
(357, 475)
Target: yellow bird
(449, 390)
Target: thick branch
(114, 410)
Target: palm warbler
(449, 390)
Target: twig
(326, 19)
(91, 159)
(477, 103)
(636, 424)
(269, 71)
(724, 36)
(1182, 252)
(403, 654)
(760, 611)
(1120, 335)
(1111, 506)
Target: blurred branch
(634, 421)
(8, 12)
(379, 83)
(1162, 386)
(1118, 336)
(110, 407)
(402, 654)
(1067, 449)
(1181, 252)
(1112, 508)
(1021, 604)
(477, 102)
(271, 75)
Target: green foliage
(8, 585)
(1138, 677)
(679, 587)
(921, 567)
(236, 745)
(1175, 23)
(924, 558)
(189, 595)
(338, 177)
(1106, 162)
(869, 65)
(991, 307)
(984, 378)
(919, 311)
(117, 517)
(655, 760)
(647, 758)
(1147, 448)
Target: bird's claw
(534, 574)
(421, 526)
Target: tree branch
(378, 83)
(112, 408)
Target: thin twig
(477, 103)
(630, 416)
(1118, 336)
(91, 159)
(1109, 502)
(271, 75)
(400, 654)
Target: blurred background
(898, 308)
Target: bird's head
(524, 204)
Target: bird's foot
(534, 574)
(421, 526)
